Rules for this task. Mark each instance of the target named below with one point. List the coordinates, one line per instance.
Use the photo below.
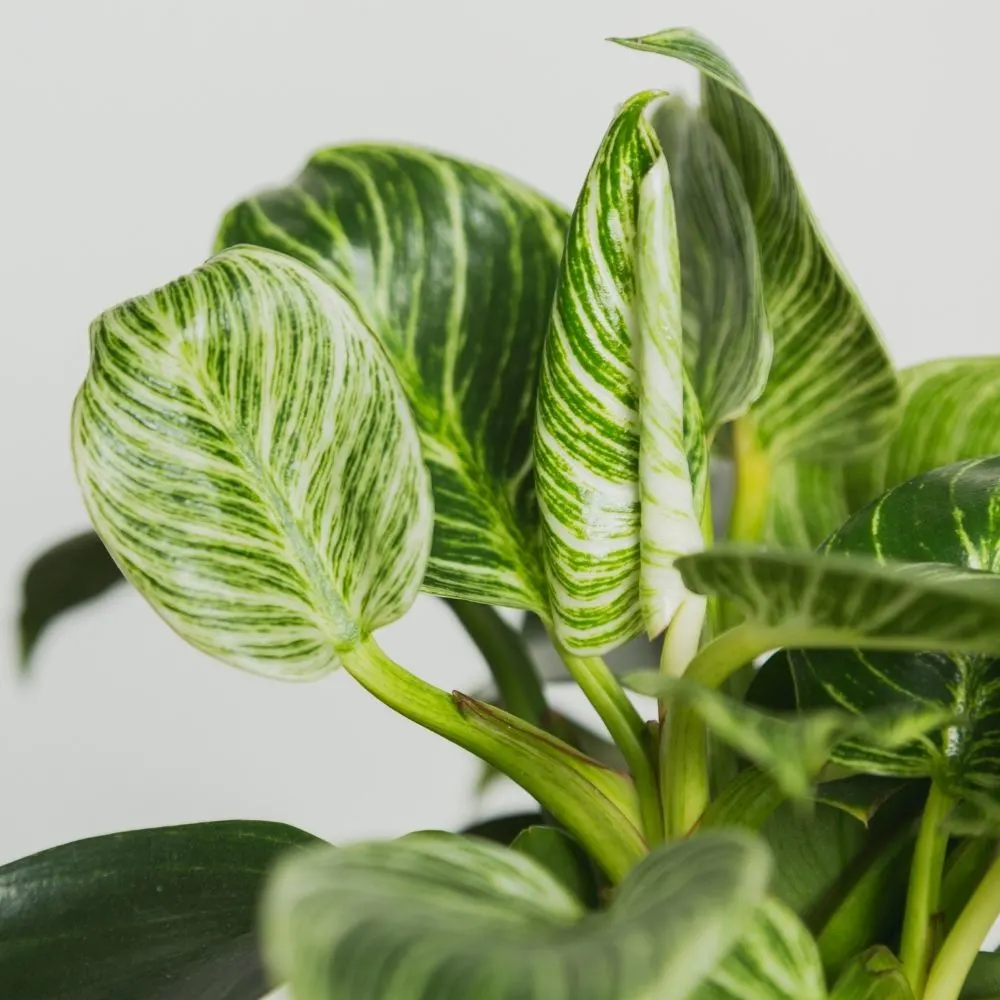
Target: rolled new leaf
(874, 975)
(167, 913)
(450, 918)
(831, 389)
(248, 457)
(727, 343)
(453, 266)
(614, 478)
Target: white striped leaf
(613, 472)
(831, 389)
(248, 457)
(454, 267)
(792, 747)
(776, 959)
(951, 515)
(839, 601)
(438, 917)
(951, 411)
(727, 345)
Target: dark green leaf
(454, 267)
(163, 914)
(73, 572)
(983, 981)
(504, 829)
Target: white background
(127, 127)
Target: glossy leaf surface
(454, 267)
(71, 573)
(166, 913)
(950, 515)
(464, 918)
(832, 388)
(248, 457)
(614, 480)
(727, 344)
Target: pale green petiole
(594, 803)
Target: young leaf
(727, 345)
(874, 975)
(832, 389)
(463, 918)
(169, 912)
(949, 516)
(791, 747)
(454, 267)
(248, 457)
(614, 480)
(776, 959)
(71, 573)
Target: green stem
(507, 657)
(924, 893)
(753, 482)
(951, 967)
(626, 727)
(685, 789)
(578, 792)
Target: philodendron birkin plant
(404, 372)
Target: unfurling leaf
(949, 519)
(614, 476)
(463, 918)
(791, 747)
(248, 457)
(71, 573)
(727, 345)
(168, 912)
(454, 267)
(831, 389)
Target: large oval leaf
(449, 918)
(950, 515)
(168, 913)
(454, 267)
(727, 344)
(832, 389)
(248, 457)
(614, 479)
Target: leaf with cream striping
(454, 267)
(612, 426)
(248, 457)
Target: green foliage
(403, 371)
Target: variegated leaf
(791, 747)
(838, 601)
(613, 472)
(248, 456)
(951, 411)
(454, 267)
(776, 959)
(727, 345)
(463, 918)
(831, 389)
(950, 516)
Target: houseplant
(405, 371)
